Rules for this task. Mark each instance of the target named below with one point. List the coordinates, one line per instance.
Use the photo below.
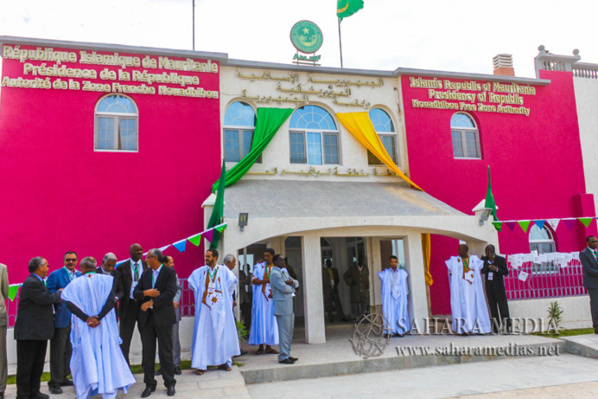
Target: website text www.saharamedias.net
(453, 350)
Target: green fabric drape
(269, 120)
(218, 210)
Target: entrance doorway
(340, 253)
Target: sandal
(272, 351)
(260, 351)
(224, 367)
(199, 372)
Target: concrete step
(582, 345)
(337, 357)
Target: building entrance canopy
(278, 207)
(316, 209)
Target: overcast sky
(457, 35)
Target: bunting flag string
(553, 223)
(194, 239)
(180, 245)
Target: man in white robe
(264, 330)
(97, 364)
(394, 298)
(215, 339)
(468, 302)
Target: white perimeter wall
(586, 98)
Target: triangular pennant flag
(540, 223)
(181, 246)
(13, 290)
(585, 221)
(208, 235)
(554, 223)
(195, 240)
(221, 227)
(497, 225)
(569, 223)
(524, 224)
(164, 248)
(511, 225)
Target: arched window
(466, 139)
(541, 240)
(239, 125)
(116, 124)
(386, 131)
(313, 136)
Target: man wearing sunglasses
(60, 345)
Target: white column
(376, 263)
(414, 259)
(315, 332)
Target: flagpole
(340, 42)
(193, 25)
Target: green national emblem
(306, 37)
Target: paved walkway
(333, 370)
(564, 376)
(214, 384)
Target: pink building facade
(104, 147)
(535, 159)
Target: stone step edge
(297, 371)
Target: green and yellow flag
(346, 8)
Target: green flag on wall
(490, 198)
(218, 210)
(346, 8)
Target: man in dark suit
(330, 280)
(358, 278)
(129, 274)
(107, 267)
(155, 291)
(33, 328)
(494, 269)
(60, 345)
(589, 261)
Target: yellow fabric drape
(361, 127)
(427, 249)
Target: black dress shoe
(66, 383)
(148, 391)
(39, 395)
(170, 390)
(177, 370)
(294, 359)
(242, 353)
(53, 391)
(286, 361)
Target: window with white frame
(313, 136)
(116, 127)
(541, 240)
(465, 136)
(386, 131)
(239, 125)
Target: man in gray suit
(589, 261)
(3, 324)
(283, 291)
